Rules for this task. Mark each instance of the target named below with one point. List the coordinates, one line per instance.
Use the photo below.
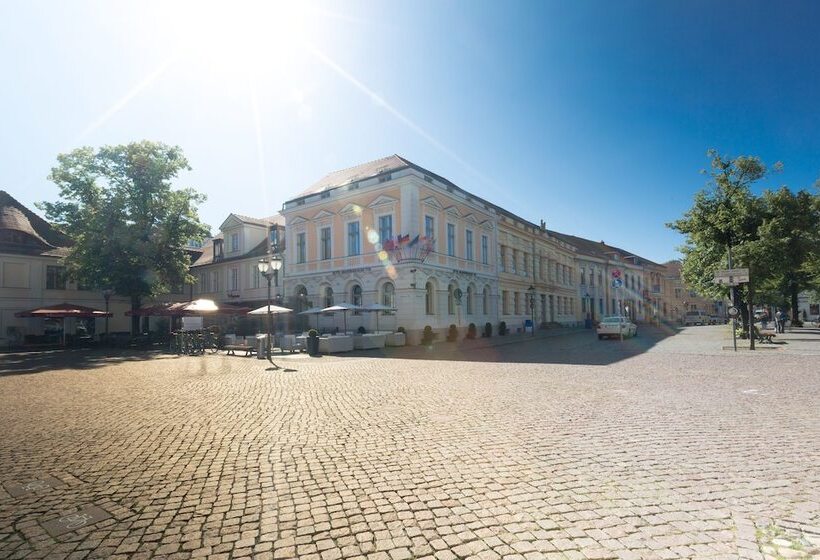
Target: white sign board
(192, 323)
(731, 277)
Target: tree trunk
(795, 310)
(135, 319)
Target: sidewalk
(796, 340)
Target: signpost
(734, 277)
(617, 284)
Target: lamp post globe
(267, 270)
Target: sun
(241, 35)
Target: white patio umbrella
(344, 308)
(274, 309)
(313, 311)
(377, 308)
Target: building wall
(23, 285)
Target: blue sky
(594, 116)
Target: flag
(415, 240)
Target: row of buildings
(388, 232)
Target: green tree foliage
(130, 227)
(775, 235)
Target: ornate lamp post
(269, 268)
(107, 293)
(531, 292)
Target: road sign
(617, 283)
(733, 311)
(616, 273)
(731, 277)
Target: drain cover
(17, 489)
(89, 515)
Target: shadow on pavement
(575, 347)
(22, 363)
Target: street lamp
(531, 292)
(107, 293)
(269, 268)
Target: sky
(593, 116)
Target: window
(356, 295)
(429, 301)
(255, 277)
(328, 296)
(205, 283)
(353, 240)
(600, 278)
(301, 248)
(525, 265)
(233, 279)
(505, 302)
(385, 228)
(55, 278)
(389, 295)
(274, 239)
(469, 242)
(485, 304)
(591, 277)
(451, 300)
(429, 228)
(469, 306)
(557, 272)
(583, 276)
(234, 242)
(503, 252)
(516, 302)
(324, 246)
(514, 266)
(215, 281)
(485, 257)
(451, 240)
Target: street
(564, 447)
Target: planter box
(368, 341)
(396, 339)
(333, 344)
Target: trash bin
(261, 347)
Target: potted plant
(471, 331)
(427, 336)
(452, 334)
(502, 328)
(488, 330)
(313, 342)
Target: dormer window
(234, 243)
(218, 254)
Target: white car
(615, 326)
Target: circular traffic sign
(616, 273)
(733, 311)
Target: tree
(129, 226)
(722, 225)
(790, 238)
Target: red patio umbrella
(63, 310)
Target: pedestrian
(778, 321)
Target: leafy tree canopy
(130, 227)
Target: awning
(63, 310)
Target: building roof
(277, 219)
(599, 249)
(47, 240)
(357, 173)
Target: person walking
(778, 321)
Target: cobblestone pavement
(568, 448)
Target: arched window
(485, 304)
(389, 295)
(429, 299)
(356, 295)
(301, 298)
(451, 300)
(469, 307)
(328, 296)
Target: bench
(230, 349)
(766, 336)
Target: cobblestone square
(562, 448)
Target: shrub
(471, 331)
(488, 330)
(427, 336)
(362, 330)
(401, 330)
(313, 333)
(452, 334)
(502, 328)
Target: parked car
(615, 326)
(695, 318)
(716, 320)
